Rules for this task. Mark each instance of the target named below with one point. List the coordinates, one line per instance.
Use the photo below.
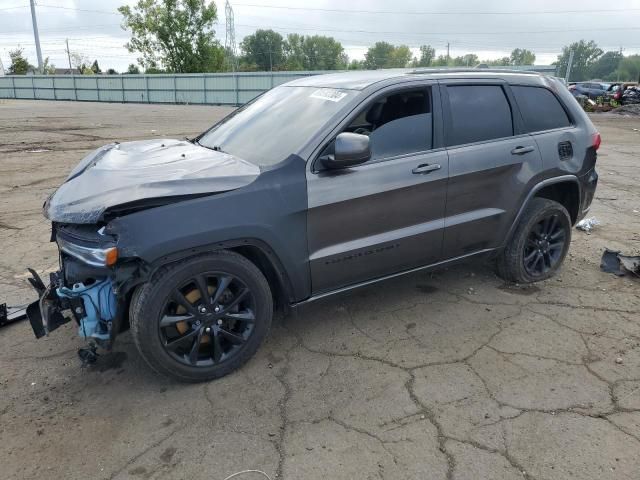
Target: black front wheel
(539, 244)
(203, 317)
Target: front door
(386, 215)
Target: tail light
(596, 140)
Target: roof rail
(427, 70)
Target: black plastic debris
(619, 264)
(11, 314)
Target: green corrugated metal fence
(198, 88)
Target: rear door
(386, 215)
(491, 160)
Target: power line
(317, 28)
(399, 12)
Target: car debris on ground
(11, 314)
(620, 264)
(587, 224)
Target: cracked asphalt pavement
(444, 375)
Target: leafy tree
(468, 60)
(629, 69)
(441, 61)
(19, 64)
(112, 71)
(264, 50)
(175, 34)
(585, 55)
(356, 65)
(427, 56)
(522, 56)
(80, 62)
(314, 53)
(385, 55)
(133, 69)
(498, 62)
(606, 65)
(48, 68)
(95, 68)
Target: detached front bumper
(92, 304)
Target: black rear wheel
(539, 244)
(203, 317)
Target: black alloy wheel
(545, 246)
(206, 320)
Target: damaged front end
(85, 289)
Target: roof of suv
(359, 80)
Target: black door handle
(522, 150)
(426, 168)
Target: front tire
(539, 244)
(203, 317)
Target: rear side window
(478, 113)
(540, 109)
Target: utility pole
(35, 35)
(568, 73)
(69, 57)
(448, 56)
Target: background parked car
(592, 90)
(616, 90)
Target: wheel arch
(565, 188)
(256, 251)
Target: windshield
(276, 124)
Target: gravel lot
(445, 375)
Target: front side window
(540, 108)
(276, 124)
(478, 113)
(397, 124)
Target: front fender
(271, 212)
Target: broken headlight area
(82, 290)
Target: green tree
(294, 52)
(584, 56)
(498, 62)
(385, 55)
(427, 56)
(95, 68)
(112, 71)
(48, 68)
(522, 56)
(323, 53)
(629, 69)
(441, 61)
(356, 65)
(133, 69)
(606, 66)
(19, 64)
(468, 60)
(263, 51)
(176, 35)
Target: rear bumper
(588, 184)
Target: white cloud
(468, 29)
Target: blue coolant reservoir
(99, 305)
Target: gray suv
(318, 186)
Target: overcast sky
(489, 28)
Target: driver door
(386, 215)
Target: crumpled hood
(118, 174)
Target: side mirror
(350, 149)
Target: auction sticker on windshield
(329, 94)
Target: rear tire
(539, 244)
(203, 317)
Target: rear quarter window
(540, 108)
(478, 113)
